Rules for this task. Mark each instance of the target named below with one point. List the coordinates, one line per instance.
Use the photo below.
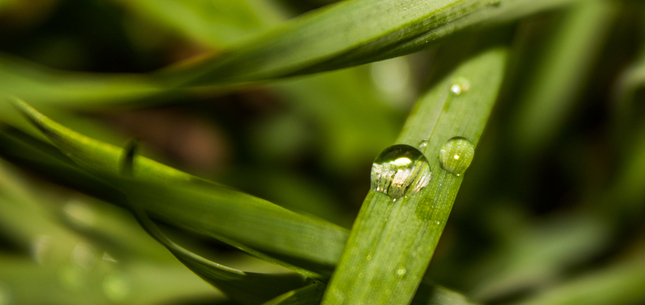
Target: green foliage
(517, 176)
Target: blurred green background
(552, 205)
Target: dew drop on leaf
(400, 170)
(456, 155)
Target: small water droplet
(5, 295)
(400, 169)
(401, 271)
(116, 287)
(438, 222)
(423, 144)
(456, 89)
(455, 156)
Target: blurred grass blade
(216, 23)
(331, 38)
(243, 287)
(391, 242)
(621, 283)
(563, 68)
(244, 221)
(39, 84)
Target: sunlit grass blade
(242, 220)
(562, 70)
(331, 38)
(395, 235)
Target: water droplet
(401, 271)
(84, 256)
(39, 248)
(460, 85)
(423, 144)
(116, 287)
(455, 156)
(5, 295)
(456, 89)
(438, 222)
(400, 169)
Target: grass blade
(391, 243)
(331, 38)
(242, 220)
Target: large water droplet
(399, 170)
(455, 156)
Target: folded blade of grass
(243, 287)
(202, 206)
(391, 243)
(347, 34)
(563, 68)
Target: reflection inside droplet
(400, 169)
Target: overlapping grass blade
(242, 220)
(391, 243)
(334, 38)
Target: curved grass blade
(244, 221)
(392, 241)
(243, 287)
(331, 38)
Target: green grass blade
(563, 69)
(621, 283)
(216, 23)
(243, 287)
(391, 243)
(242, 220)
(331, 38)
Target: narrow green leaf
(239, 219)
(395, 235)
(243, 287)
(332, 38)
